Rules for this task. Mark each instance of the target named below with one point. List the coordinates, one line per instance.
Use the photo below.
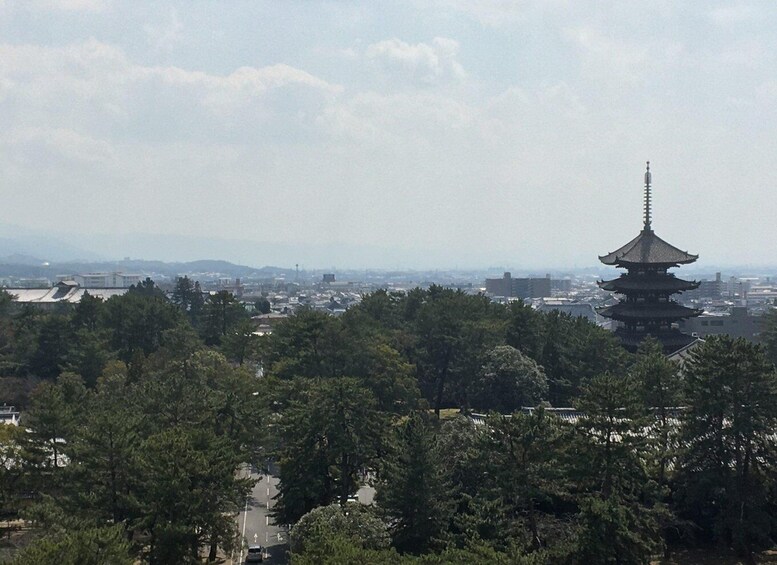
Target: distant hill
(18, 259)
(31, 267)
(41, 248)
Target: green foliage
(526, 469)
(574, 351)
(240, 344)
(452, 331)
(147, 288)
(13, 475)
(189, 489)
(342, 551)
(262, 306)
(620, 512)
(87, 313)
(188, 297)
(459, 451)
(414, 491)
(136, 322)
(727, 466)
(329, 436)
(88, 355)
(308, 344)
(508, 380)
(222, 313)
(157, 454)
(140, 424)
(355, 522)
(661, 384)
(87, 546)
(769, 334)
(524, 329)
(312, 344)
(53, 346)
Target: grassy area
(447, 413)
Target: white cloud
(429, 63)
(165, 37)
(94, 87)
(61, 143)
(621, 64)
(493, 13)
(67, 5)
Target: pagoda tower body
(645, 306)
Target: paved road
(256, 524)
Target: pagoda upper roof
(648, 249)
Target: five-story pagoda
(645, 307)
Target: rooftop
(648, 248)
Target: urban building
(103, 280)
(736, 323)
(9, 415)
(574, 309)
(707, 290)
(645, 306)
(64, 292)
(509, 287)
(561, 285)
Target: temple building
(645, 306)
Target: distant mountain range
(27, 250)
(30, 246)
(26, 266)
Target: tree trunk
(213, 548)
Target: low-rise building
(64, 292)
(738, 322)
(103, 280)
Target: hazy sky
(487, 132)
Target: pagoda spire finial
(648, 179)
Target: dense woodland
(139, 412)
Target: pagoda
(645, 306)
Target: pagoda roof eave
(667, 311)
(667, 283)
(648, 249)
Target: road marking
(267, 521)
(245, 517)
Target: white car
(255, 554)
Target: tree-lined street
(256, 524)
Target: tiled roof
(665, 283)
(61, 294)
(648, 248)
(668, 311)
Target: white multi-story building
(103, 280)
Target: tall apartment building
(519, 288)
(707, 289)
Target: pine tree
(414, 490)
(620, 515)
(726, 468)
